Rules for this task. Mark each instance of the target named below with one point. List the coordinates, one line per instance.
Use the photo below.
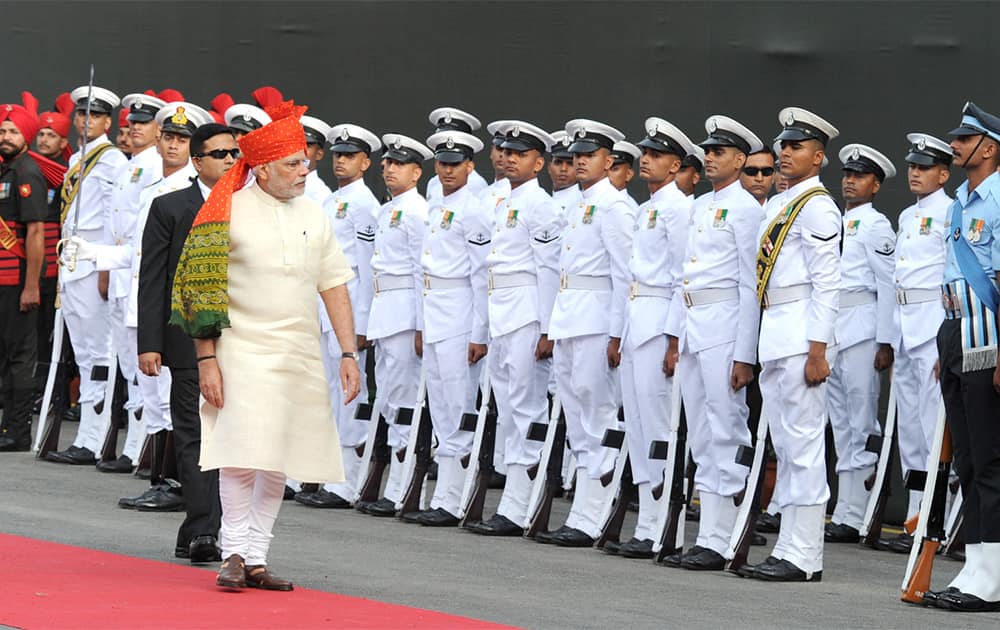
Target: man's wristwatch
(349, 355)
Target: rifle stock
(929, 528)
(746, 521)
(616, 518)
(484, 462)
(377, 450)
(676, 500)
(54, 401)
(422, 459)
(871, 529)
(552, 459)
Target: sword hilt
(66, 251)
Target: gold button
(427, 252)
(694, 259)
(902, 258)
(433, 230)
(907, 236)
(498, 230)
(375, 253)
(573, 226)
(493, 251)
(699, 229)
(567, 248)
(685, 280)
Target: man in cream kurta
(267, 412)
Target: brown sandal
(232, 574)
(257, 576)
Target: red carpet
(49, 585)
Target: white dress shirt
(866, 267)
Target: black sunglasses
(753, 171)
(219, 154)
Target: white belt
(392, 283)
(511, 280)
(574, 282)
(638, 289)
(856, 298)
(784, 295)
(433, 282)
(710, 296)
(917, 296)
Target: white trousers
(352, 432)
(918, 397)
(397, 372)
(716, 419)
(86, 317)
(250, 503)
(126, 349)
(155, 391)
(852, 403)
(646, 400)
(796, 416)
(520, 385)
(451, 391)
(589, 391)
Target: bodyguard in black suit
(213, 152)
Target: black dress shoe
(289, 494)
(785, 571)
(758, 540)
(497, 481)
(438, 518)
(707, 560)
(769, 523)
(636, 548)
(840, 533)
(931, 598)
(204, 549)
(129, 502)
(11, 445)
(612, 547)
(965, 602)
(674, 560)
(121, 465)
(323, 499)
(180, 551)
(548, 538)
(900, 544)
(74, 455)
(163, 500)
(383, 507)
(498, 525)
(413, 517)
(573, 538)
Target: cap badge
(790, 119)
(855, 153)
(179, 117)
(397, 144)
(580, 133)
(921, 144)
(246, 117)
(447, 118)
(654, 130)
(344, 134)
(450, 143)
(713, 125)
(515, 131)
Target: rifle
(404, 417)
(871, 530)
(54, 394)
(375, 457)
(476, 424)
(670, 519)
(930, 524)
(613, 512)
(956, 517)
(548, 479)
(109, 445)
(477, 478)
(746, 518)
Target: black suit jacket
(168, 224)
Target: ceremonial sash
(774, 237)
(11, 254)
(979, 296)
(71, 187)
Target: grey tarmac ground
(511, 581)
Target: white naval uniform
(495, 193)
(658, 241)
(567, 198)
(920, 254)
(393, 320)
(141, 171)
(155, 389)
(351, 210)
(476, 185)
(84, 310)
(454, 309)
(316, 188)
(867, 303)
(718, 329)
(588, 311)
(523, 266)
(796, 412)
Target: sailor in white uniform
(316, 133)
(453, 119)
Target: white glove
(85, 250)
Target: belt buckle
(633, 290)
(375, 283)
(900, 296)
(765, 302)
(563, 282)
(489, 281)
(688, 300)
(427, 282)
